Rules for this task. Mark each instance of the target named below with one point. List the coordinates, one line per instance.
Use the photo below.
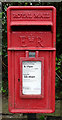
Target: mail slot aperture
(27, 35)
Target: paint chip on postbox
(31, 77)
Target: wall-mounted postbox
(31, 58)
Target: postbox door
(32, 101)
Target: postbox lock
(18, 80)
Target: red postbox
(31, 58)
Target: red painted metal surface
(31, 29)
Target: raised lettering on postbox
(29, 40)
(31, 15)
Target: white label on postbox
(31, 78)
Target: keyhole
(18, 80)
